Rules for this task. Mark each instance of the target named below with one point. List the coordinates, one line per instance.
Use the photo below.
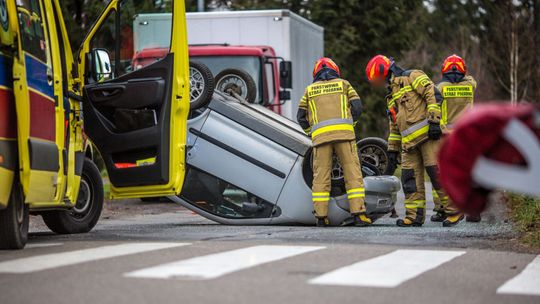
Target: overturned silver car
(250, 166)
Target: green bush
(525, 211)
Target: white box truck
(255, 41)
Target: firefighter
(414, 109)
(328, 110)
(457, 89)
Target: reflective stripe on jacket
(328, 110)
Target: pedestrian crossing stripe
(216, 265)
(54, 260)
(389, 270)
(525, 283)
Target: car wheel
(87, 210)
(201, 85)
(14, 220)
(237, 83)
(374, 151)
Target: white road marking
(525, 283)
(219, 264)
(49, 261)
(389, 270)
(41, 245)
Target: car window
(32, 30)
(219, 197)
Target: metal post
(200, 5)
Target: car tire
(86, 212)
(374, 151)
(14, 219)
(201, 85)
(237, 81)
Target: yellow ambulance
(52, 98)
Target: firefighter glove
(392, 161)
(302, 119)
(434, 132)
(356, 109)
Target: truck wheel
(237, 82)
(14, 220)
(201, 85)
(86, 212)
(373, 150)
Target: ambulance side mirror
(102, 69)
(285, 74)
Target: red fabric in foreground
(478, 132)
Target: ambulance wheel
(87, 210)
(14, 220)
(374, 151)
(201, 85)
(237, 82)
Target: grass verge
(525, 212)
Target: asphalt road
(162, 253)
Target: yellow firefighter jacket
(412, 106)
(457, 97)
(328, 110)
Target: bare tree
(508, 43)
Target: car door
(137, 118)
(39, 112)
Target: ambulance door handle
(111, 91)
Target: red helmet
(454, 62)
(378, 67)
(325, 63)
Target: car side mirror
(285, 74)
(102, 69)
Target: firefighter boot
(323, 222)
(438, 217)
(413, 218)
(361, 220)
(452, 220)
(453, 215)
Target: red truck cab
(270, 73)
